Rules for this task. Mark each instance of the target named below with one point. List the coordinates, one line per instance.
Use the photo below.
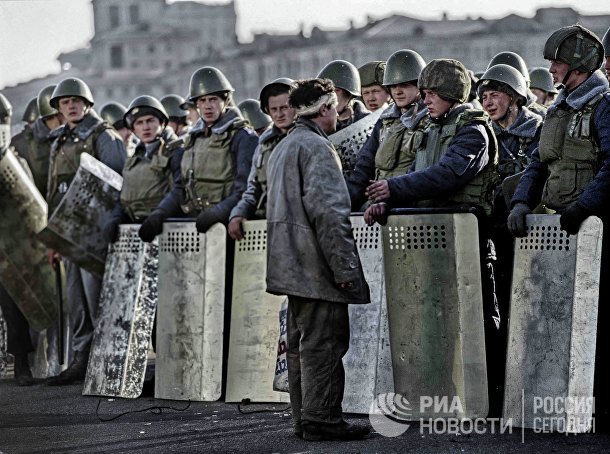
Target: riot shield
(368, 364)
(75, 227)
(119, 351)
(3, 353)
(435, 312)
(24, 270)
(350, 140)
(190, 312)
(553, 326)
(254, 322)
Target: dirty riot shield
(553, 326)
(3, 352)
(24, 270)
(350, 140)
(75, 227)
(253, 341)
(119, 351)
(435, 313)
(190, 312)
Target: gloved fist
(111, 231)
(151, 227)
(205, 220)
(516, 219)
(572, 217)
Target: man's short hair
(308, 92)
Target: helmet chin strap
(566, 77)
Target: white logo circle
(389, 413)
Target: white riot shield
(119, 351)
(553, 326)
(368, 363)
(435, 313)
(75, 227)
(190, 312)
(254, 333)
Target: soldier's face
(280, 111)
(73, 108)
(496, 104)
(147, 128)
(374, 96)
(343, 97)
(437, 106)
(328, 119)
(541, 96)
(210, 108)
(404, 94)
(558, 70)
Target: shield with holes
(75, 227)
(435, 314)
(253, 341)
(190, 312)
(350, 140)
(553, 326)
(119, 351)
(24, 270)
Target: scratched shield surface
(553, 323)
(75, 227)
(24, 269)
(190, 312)
(255, 329)
(119, 351)
(368, 365)
(435, 312)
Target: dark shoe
(23, 374)
(329, 432)
(74, 374)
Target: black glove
(516, 219)
(111, 231)
(206, 220)
(572, 217)
(151, 227)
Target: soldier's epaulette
(473, 115)
(239, 124)
(175, 144)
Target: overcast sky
(34, 32)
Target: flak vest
(208, 169)
(147, 181)
(261, 173)
(569, 150)
(436, 140)
(37, 156)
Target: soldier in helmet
(21, 141)
(259, 120)
(84, 131)
(346, 78)
(457, 170)
(606, 43)
(178, 120)
(192, 114)
(541, 84)
(274, 98)
(216, 160)
(389, 150)
(113, 112)
(374, 95)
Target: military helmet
(113, 113)
(575, 45)
(145, 105)
(371, 73)
(343, 74)
(30, 114)
(504, 75)
(403, 66)
(449, 78)
(172, 105)
(44, 102)
(208, 80)
(71, 87)
(6, 110)
(511, 59)
(251, 110)
(606, 43)
(542, 79)
(265, 92)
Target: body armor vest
(572, 156)
(396, 152)
(436, 140)
(513, 161)
(146, 181)
(261, 173)
(208, 169)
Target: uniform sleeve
(111, 151)
(170, 206)
(466, 156)
(529, 189)
(246, 207)
(364, 169)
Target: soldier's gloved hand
(111, 231)
(151, 227)
(206, 220)
(516, 219)
(572, 217)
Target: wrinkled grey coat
(310, 245)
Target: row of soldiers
(443, 137)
